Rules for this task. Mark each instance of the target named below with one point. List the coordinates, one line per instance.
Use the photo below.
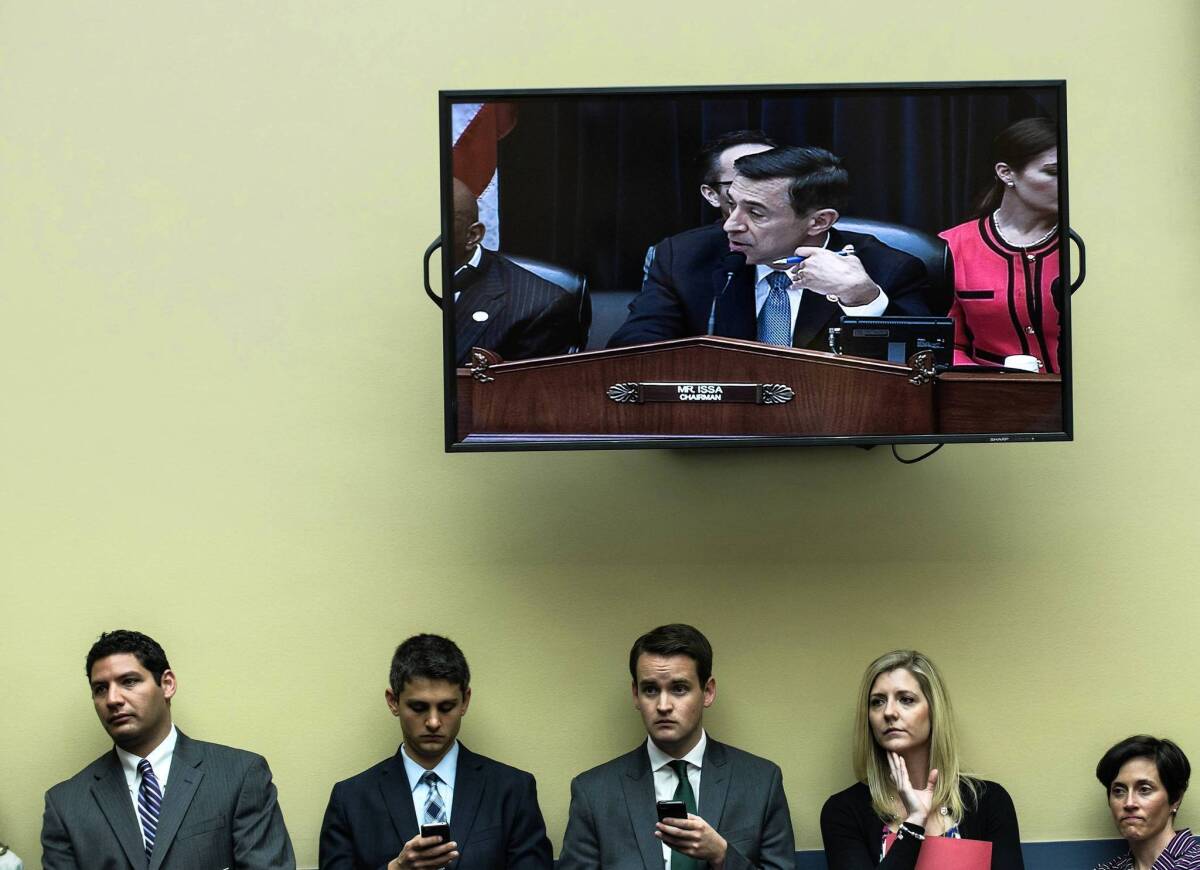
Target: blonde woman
(909, 782)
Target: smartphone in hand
(671, 810)
(440, 829)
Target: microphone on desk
(731, 262)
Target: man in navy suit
(373, 820)
(499, 305)
(717, 279)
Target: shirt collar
(473, 261)
(660, 759)
(446, 769)
(157, 756)
(1179, 844)
(761, 271)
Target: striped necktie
(775, 316)
(149, 804)
(435, 808)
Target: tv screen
(766, 265)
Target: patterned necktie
(683, 792)
(435, 809)
(775, 316)
(149, 804)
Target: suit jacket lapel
(714, 783)
(397, 795)
(482, 295)
(111, 792)
(469, 785)
(735, 309)
(638, 784)
(185, 777)
(815, 314)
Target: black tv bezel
(539, 442)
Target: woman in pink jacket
(1007, 287)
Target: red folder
(941, 853)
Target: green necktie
(683, 792)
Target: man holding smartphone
(680, 801)
(434, 801)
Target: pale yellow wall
(220, 412)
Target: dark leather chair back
(609, 310)
(575, 283)
(929, 249)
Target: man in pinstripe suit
(498, 305)
(159, 800)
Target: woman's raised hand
(917, 802)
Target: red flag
(475, 152)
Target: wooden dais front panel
(1008, 402)
(569, 395)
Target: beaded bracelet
(912, 832)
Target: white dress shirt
(446, 770)
(10, 860)
(160, 762)
(665, 780)
(875, 308)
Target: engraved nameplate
(753, 394)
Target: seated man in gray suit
(159, 799)
(737, 813)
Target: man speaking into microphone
(780, 273)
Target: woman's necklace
(1024, 248)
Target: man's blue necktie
(775, 316)
(149, 804)
(435, 809)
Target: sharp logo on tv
(774, 265)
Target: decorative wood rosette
(481, 361)
(923, 370)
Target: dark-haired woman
(1007, 291)
(909, 783)
(1145, 778)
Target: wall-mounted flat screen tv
(755, 265)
